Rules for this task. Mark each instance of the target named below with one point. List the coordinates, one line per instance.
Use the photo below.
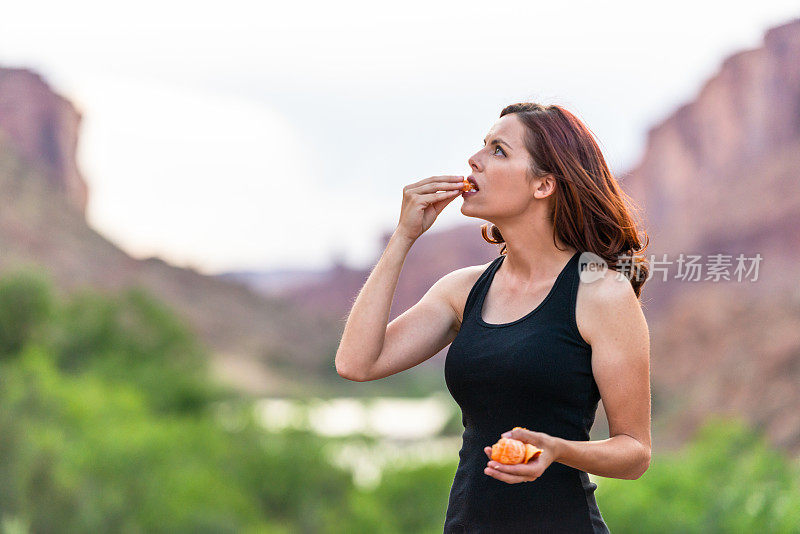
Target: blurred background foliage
(109, 423)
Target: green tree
(26, 303)
(727, 480)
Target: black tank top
(534, 372)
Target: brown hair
(590, 210)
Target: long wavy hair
(590, 211)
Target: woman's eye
(500, 149)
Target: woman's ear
(544, 186)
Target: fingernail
(507, 434)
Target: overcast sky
(259, 136)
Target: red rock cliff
(42, 126)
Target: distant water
(407, 430)
(390, 417)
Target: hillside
(260, 344)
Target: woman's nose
(473, 161)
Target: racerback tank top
(534, 372)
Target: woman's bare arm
(612, 322)
(370, 349)
(363, 336)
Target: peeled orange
(513, 451)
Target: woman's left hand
(515, 473)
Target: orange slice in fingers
(466, 185)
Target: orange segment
(531, 452)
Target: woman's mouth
(470, 187)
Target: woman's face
(501, 169)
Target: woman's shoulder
(459, 283)
(611, 287)
(601, 299)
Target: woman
(536, 343)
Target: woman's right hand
(422, 204)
